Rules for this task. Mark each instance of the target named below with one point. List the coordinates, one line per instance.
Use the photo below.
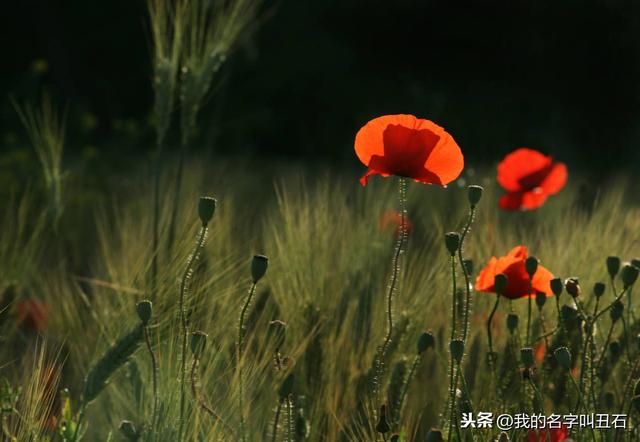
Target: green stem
(154, 375)
(240, 344)
(467, 284)
(276, 421)
(405, 387)
(529, 314)
(184, 285)
(453, 377)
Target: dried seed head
(563, 357)
(434, 435)
(512, 322)
(383, 426)
(629, 275)
(541, 298)
(474, 193)
(468, 265)
(129, 431)
(613, 266)
(572, 286)
(206, 209)
(556, 286)
(527, 357)
(259, 266)
(617, 308)
(286, 388)
(198, 342)
(145, 311)
(425, 341)
(531, 266)
(456, 346)
(452, 241)
(500, 283)
(598, 289)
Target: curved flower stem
(452, 376)
(465, 273)
(490, 334)
(184, 285)
(276, 421)
(405, 386)
(581, 402)
(154, 375)
(395, 272)
(240, 343)
(606, 309)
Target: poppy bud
(395, 438)
(474, 193)
(617, 308)
(541, 298)
(425, 341)
(456, 346)
(598, 289)
(615, 350)
(286, 388)
(629, 275)
(572, 286)
(206, 209)
(145, 310)
(468, 265)
(383, 426)
(500, 283)
(129, 431)
(531, 266)
(198, 341)
(452, 241)
(512, 322)
(259, 266)
(504, 437)
(434, 435)
(556, 286)
(563, 357)
(527, 357)
(613, 266)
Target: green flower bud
(563, 357)
(613, 265)
(456, 346)
(572, 286)
(198, 342)
(629, 275)
(474, 193)
(556, 286)
(425, 341)
(512, 322)
(541, 298)
(286, 388)
(531, 266)
(500, 283)
(145, 311)
(129, 431)
(259, 266)
(452, 241)
(616, 310)
(206, 209)
(527, 357)
(468, 265)
(598, 289)
(383, 426)
(434, 435)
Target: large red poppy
(512, 265)
(555, 435)
(529, 177)
(407, 146)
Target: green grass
(329, 264)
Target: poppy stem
(240, 344)
(453, 381)
(528, 340)
(465, 272)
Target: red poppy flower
(407, 146)
(32, 314)
(392, 221)
(512, 265)
(555, 435)
(529, 177)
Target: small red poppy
(512, 265)
(406, 146)
(392, 221)
(529, 177)
(32, 314)
(555, 435)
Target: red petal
(518, 166)
(555, 180)
(522, 200)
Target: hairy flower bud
(572, 286)
(531, 266)
(617, 308)
(456, 346)
(128, 430)
(500, 283)
(563, 357)
(425, 341)
(144, 309)
(527, 357)
(468, 265)
(474, 193)
(206, 209)
(598, 289)
(434, 435)
(259, 265)
(613, 265)
(556, 286)
(541, 298)
(452, 241)
(512, 322)
(629, 275)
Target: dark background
(559, 76)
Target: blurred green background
(558, 76)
